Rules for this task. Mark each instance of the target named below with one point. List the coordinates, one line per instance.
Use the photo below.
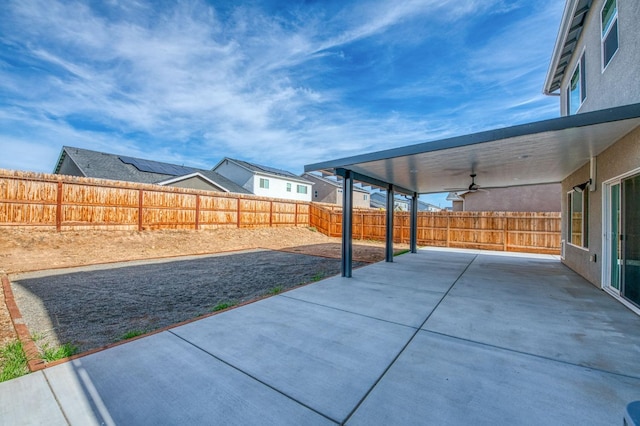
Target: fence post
(505, 232)
(197, 212)
(238, 212)
(271, 214)
(140, 200)
(59, 207)
(296, 215)
(448, 225)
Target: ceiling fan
(473, 187)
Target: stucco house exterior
(265, 181)
(101, 165)
(328, 190)
(596, 65)
(534, 198)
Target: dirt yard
(32, 250)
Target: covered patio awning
(528, 154)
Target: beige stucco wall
(618, 159)
(615, 85)
(537, 198)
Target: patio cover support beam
(413, 225)
(389, 227)
(371, 181)
(347, 222)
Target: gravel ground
(94, 308)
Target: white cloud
(197, 85)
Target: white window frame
(264, 183)
(288, 186)
(604, 34)
(300, 188)
(584, 224)
(581, 85)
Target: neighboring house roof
(378, 200)
(102, 165)
(264, 170)
(423, 207)
(336, 183)
(571, 26)
(454, 196)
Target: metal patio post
(347, 224)
(413, 233)
(389, 227)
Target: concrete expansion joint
(348, 312)
(228, 364)
(529, 354)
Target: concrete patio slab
(29, 398)
(508, 340)
(325, 358)
(161, 379)
(447, 381)
(542, 308)
(407, 305)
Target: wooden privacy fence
(506, 231)
(72, 203)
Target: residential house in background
(457, 202)
(328, 189)
(379, 201)
(401, 204)
(94, 164)
(428, 207)
(534, 198)
(596, 65)
(265, 181)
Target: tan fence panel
(14, 190)
(534, 233)
(13, 214)
(303, 216)
(283, 213)
(254, 213)
(218, 212)
(65, 202)
(26, 202)
(95, 207)
(528, 232)
(166, 210)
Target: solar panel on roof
(274, 170)
(157, 167)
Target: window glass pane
(631, 232)
(574, 92)
(608, 12)
(570, 222)
(583, 80)
(576, 218)
(585, 218)
(264, 183)
(288, 187)
(610, 44)
(302, 189)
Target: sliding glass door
(631, 239)
(615, 243)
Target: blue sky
(282, 83)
